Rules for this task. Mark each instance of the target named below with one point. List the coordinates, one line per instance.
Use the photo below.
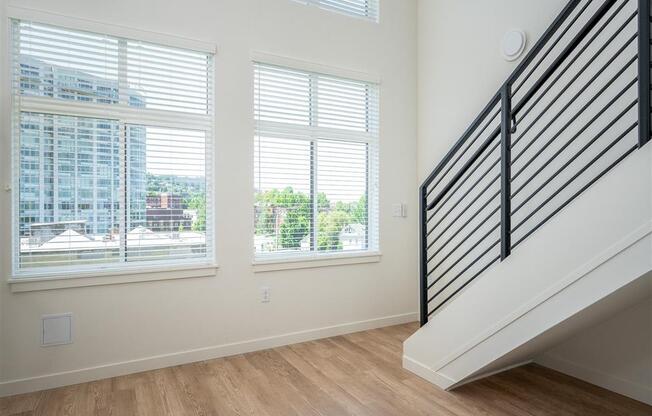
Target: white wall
(121, 323)
(615, 354)
(460, 66)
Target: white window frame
(313, 259)
(119, 272)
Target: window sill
(272, 265)
(32, 283)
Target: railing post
(643, 72)
(423, 281)
(506, 172)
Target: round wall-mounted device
(513, 44)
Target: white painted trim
(489, 374)
(311, 262)
(443, 381)
(627, 388)
(582, 271)
(88, 25)
(284, 61)
(427, 373)
(111, 277)
(48, 381)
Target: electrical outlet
(265, 294)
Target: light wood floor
(357, 374)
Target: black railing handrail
(530, 56)
(577, 40)
(508, 120)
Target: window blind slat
(359, 8)
(315, 164)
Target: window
(315, 164)
(112, 140)
(367, 9)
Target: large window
(367, 9)
(315, 164)
(112, 151)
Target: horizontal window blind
(315, 163)
(112, 151)
(359, 8)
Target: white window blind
(359, 8)
(112, 151)
(315, 164)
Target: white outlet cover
(265, 294)
(56, 329)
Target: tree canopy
(287, 214)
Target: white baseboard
(625, 387)
(427, 373)
(48, 381)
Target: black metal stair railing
(576, 106)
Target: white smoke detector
(513, 44)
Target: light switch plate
(399, 210)
(56, 329)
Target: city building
(69, 166)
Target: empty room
(326, 207)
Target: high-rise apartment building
(70, 166)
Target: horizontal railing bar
(558, 152)
(483, 114)
(575, 97)
(476, 228)
(552, 47)
(578, 154)
(585, 66)
(545, 38)
(493, 165)
(588, 27)
(448, 227)
(579, 132)
(579, 112)
(450, 282)
(568, 182)
(576, 194)
(475, 199)
(466, 253)
(459, 289)
(452, 165)
(466, 167)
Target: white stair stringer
(592, 259)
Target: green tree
(330, 225)
(198, 203)
(289, 208)
(359, 211)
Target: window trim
(312, 259)
(120, 272)
(111, 277)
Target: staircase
(538, 220)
